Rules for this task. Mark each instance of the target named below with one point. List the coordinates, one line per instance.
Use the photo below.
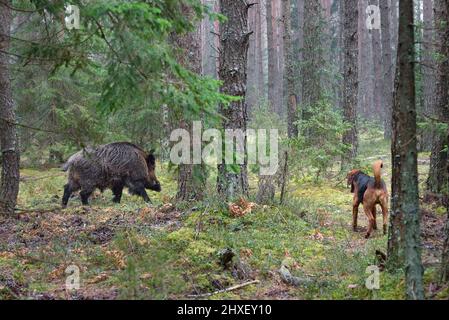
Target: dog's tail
(377, 167)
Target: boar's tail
(65, 166)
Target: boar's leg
(117, 190)
(138, 189)
(67, 193)
(143, 193)
(85, 194)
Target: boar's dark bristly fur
(115, 166)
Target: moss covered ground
(163, 251)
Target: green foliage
(319, 143)
(80, 86)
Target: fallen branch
(288, 278)
(26, 179)
(223, 290)
(37, 210)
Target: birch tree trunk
(9, 145)
(232, 180)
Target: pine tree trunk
(280, 94)
(387, 65)
(377, 68)
(251, 92)
(292, 112)
(300, 49)
(350, 76)
(234, 39)
(312, 57)
(259, 52)
(444, 276)
(438, 158)
(273, 63)
(428, 70)
(209, 47)
(404, 245)
(428, 61)
(394, 28)
(191, 178)
(9, 145)
(442, 104)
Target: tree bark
(299, 51)
(377, 69)
(273, 63)
(9, 145)
(312, 57)
(442, 104)
(404, 244)
(252, 83)
(259, 52)
(387, 66)
(428, 65)
(438, 158)
(444, 274)
(191, 177)
(350, 76)
(364, 55)
(234, 38)
(209, 52)
(292, 112)
(280, 92)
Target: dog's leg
(374, 211)
(384, 206)
(355, 213)
(368, 208)
(355, 210)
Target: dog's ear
(351, 177)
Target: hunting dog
(369, 191)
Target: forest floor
(131, 251)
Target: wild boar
(111, 166)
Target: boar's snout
(155, 186)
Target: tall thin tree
(311, 85)
(437, 173)
(232, 180)
(404, 243)
(350, 75)
(387, 66)
(9, 145)
(377, 69)
(191, 178)
(442, 105)
(273, 59)
(289, 74)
